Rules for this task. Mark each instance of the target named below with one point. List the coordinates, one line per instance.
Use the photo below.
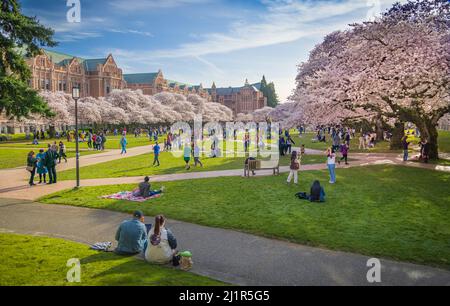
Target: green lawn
(40, 261)
(14, 154)
(381, 147)
(444, 141)
(389, 211)
(307, 140)
(142, 165)
(113, 142)
(17, 157)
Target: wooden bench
(255, 165)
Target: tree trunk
(397, 134)
(52, 131)
(379, 129)
(428, 131)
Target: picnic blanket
(128, 196)
(101, 246)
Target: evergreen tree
(272, 97)
(268, 89)
(20, 36)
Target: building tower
(214, 93)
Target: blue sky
(201, 41)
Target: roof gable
(140, 78)
(91, 64)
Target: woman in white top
(331, 163)
(161, 243)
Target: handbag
(30, 168)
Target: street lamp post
(76, 96)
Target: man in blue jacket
(156, 150)
(132, 235)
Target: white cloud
(143, 33)
(139, 5)
(285, 21)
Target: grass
(307, 140)
(41, 261)
(113, 142)
(444, 141)
(388, 211)
(141, 165)
(17, 157)
(381, 147)
(14, 154)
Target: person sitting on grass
(144, 189)
(317, 193)
(132, 235)
(161, 243)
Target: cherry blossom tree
(397, 66)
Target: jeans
(32, 174)
(124, 150)
(405, 155)
(197, 161)
(293, 173)
(332, 169)
(156, 160)
(52, 174)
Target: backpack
(302, 196)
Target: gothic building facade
(245, 99)
(55, 71)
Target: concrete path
(225, 255)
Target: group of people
(424, 149)
(155, 241)
(134, 236)
(45, 163)
(285, 142)
(367, 141)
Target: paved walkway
(225, 255)
(14, 181)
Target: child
(294, 167)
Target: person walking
(41, 169)
(362, 142)
(50, 162)
(89, 140)
(156, 151)
(331, 163)
(294, 167)
(102, 144)
(98, 142)
(344, 151)
(187, 155)
(62, 151)
(31, 167)
(123, 144)
(424, 150)
(197, 156)
(405, 145)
